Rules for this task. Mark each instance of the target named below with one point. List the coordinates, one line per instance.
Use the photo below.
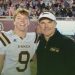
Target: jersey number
(21, 61)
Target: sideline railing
(36, 17)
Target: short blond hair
(21, 11)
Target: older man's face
(47, 27)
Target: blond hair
(21, 11)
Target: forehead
(21, 15)
(44, 19)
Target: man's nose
(46, 25)
(22, 20)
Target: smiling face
(21, 22)
(47, 27)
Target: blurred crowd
(61, 8)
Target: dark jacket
(57, 56)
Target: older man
(56, 52)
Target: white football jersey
(18, 53)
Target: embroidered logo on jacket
(54, 49)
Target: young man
(17, 47)
(55, 52)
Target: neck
(21, 34)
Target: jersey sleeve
(2, 48)
(4, 41)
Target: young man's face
(21, 22)
(47, 27)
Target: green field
(33, 67)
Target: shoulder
(7, 33)
(67, 41)
(31, 36)
(31, 33)
(64, 40)
(4, 38)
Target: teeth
(22, 24)
(47, 29)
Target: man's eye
(42, 23)
(50, 22)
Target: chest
(52, 50)
(22, 49)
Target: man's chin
(23, 30)
(47, 35)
